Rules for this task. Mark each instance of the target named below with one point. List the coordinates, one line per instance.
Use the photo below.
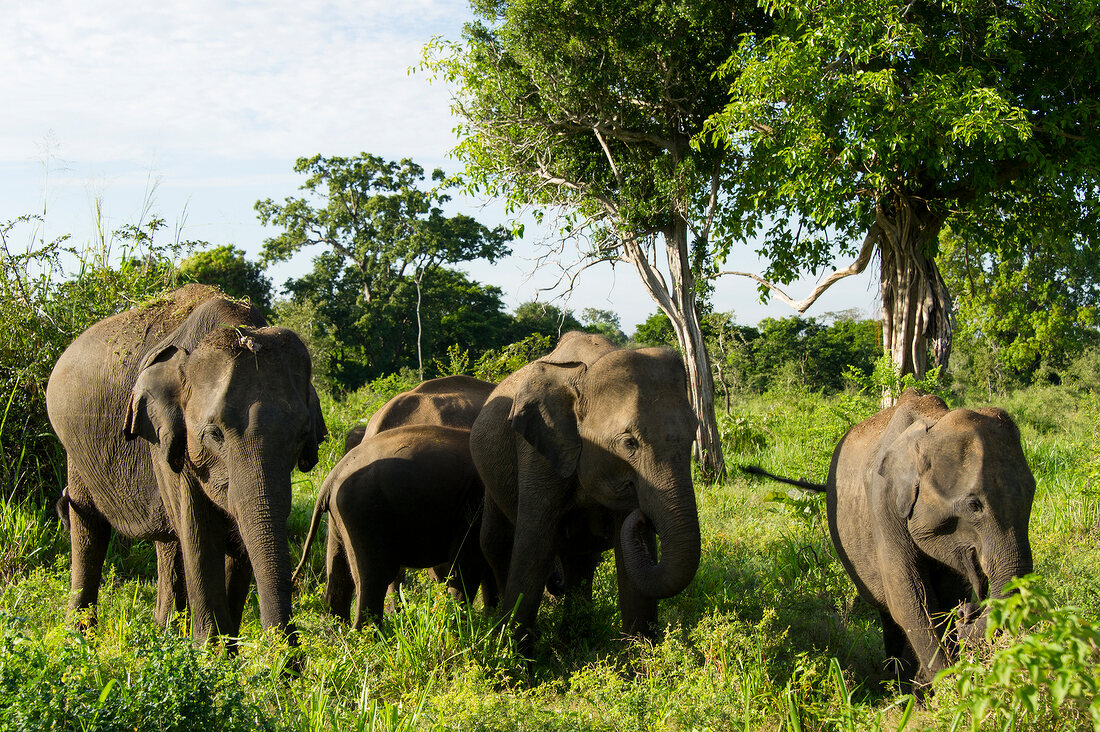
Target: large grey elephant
(406, 497)
(182, 421)
(585, 449)
(928, 509)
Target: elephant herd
(183, 420)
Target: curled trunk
(672, 514)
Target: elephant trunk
(669, 510)
(262, 509)
(1008, 563)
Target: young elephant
(406, 497)
(182, 421)
(928, 509)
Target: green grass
(768, 636)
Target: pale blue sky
(208, 104)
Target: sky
(192, 110)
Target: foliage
(359, 340)
(165, 685)
(884, 379)
(381, 232)
(792, 352)
(877, 121)
(604, 322)
(1041, 672)
(227, 268)
(541, 318)
(42, 309)
(1032, 298)
(495, 364)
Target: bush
(41, 312)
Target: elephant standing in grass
(449, 401)
(928, 509)
(406, 497)
(182, 421)
(585, 449)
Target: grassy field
(769, 635)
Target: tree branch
(855, 268)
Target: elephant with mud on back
(928, 510)
(586, 449)
(182, 421)
(449, 401)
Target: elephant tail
(315, 521)
(801, 483)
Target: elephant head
(622, 428)
(232, 416)
(960, 482)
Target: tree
(227, 268)
(878, 121)
(589, 110)
(542, 319)
(373, 214)
(367, 339)
(1029, 298)
(604, 322)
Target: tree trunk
(916, 307)
(678, 303)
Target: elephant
(928, 509)
(448, 401)
(586, 449)
(406, 497)
(182, 420)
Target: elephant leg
(497, 536)
(464, 576)
(532, 559)
(897, 649)
(638, 610)
(89, 535)
(203, 539)
(238, 582)
(393, 591)
(171, 586)
(339, 587)
(911, 602)
(372, 571)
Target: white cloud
(236, 80)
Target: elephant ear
(154, 412)
(901, 465)
(318, 431)
(544, 412)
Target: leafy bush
(1043, 671)
(41, 312)
(165, 684)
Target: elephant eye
(630, 443)
(974, 504)
(212, 434)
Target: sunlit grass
(769, 635)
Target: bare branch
(610, 159)
(855, 268)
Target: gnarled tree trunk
(916, 307)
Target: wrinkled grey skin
(928, 509)
(449, 401)
(586, 449)
(182, 422)
(406, 497)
